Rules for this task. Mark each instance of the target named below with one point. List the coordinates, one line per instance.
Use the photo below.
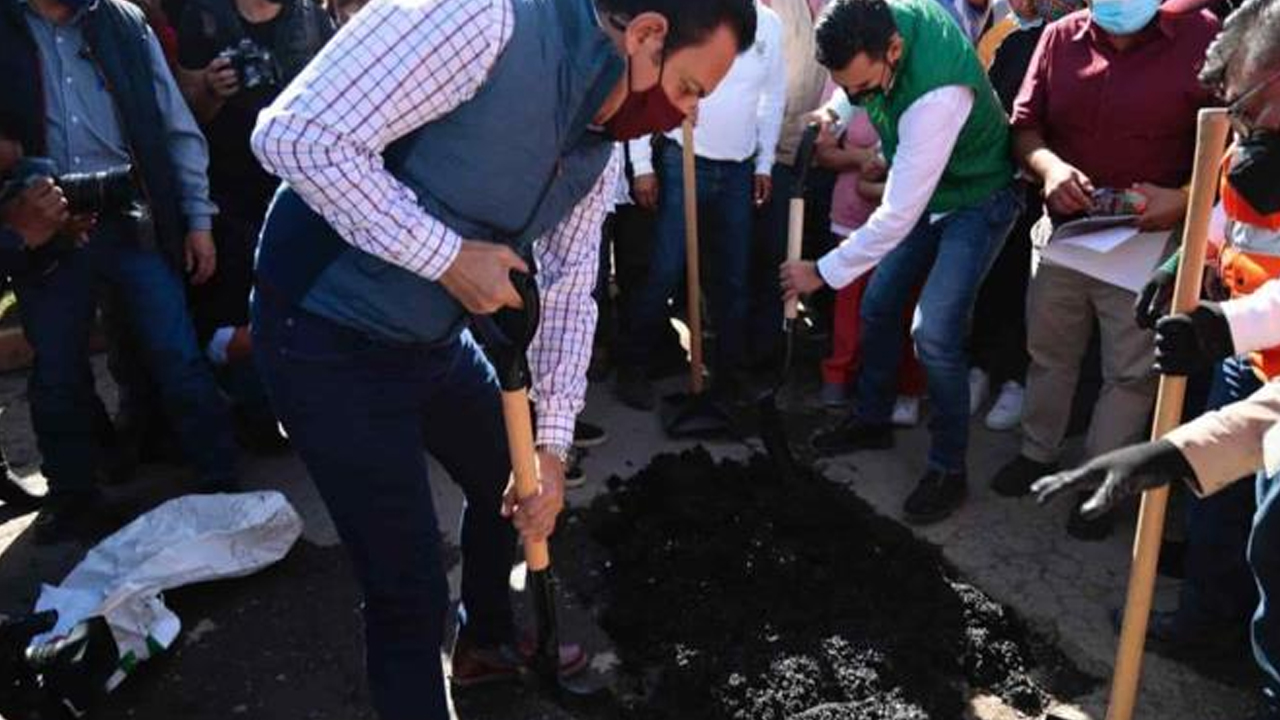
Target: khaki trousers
(1061, 307)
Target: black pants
(998, 341)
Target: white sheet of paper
(1102, 241)
(1128, 264)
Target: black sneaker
(586, 435)
(1094, 530)
(87, 518)
(937, 496)
(852, 435)
(634, 389)
(1015, 479)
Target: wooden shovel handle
(692, 279)
(1211, 143)
(795, 239)
(524, 465)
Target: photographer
(95, 103)
(28, 220)
(246, 52)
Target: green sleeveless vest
(937, 54)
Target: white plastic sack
(188, 540)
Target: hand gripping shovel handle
(795, 225)
(508, 334)
(1211, 142)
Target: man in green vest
(947, 209)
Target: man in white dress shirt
(735, 142)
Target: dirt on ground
(728, 595)
(732, 595)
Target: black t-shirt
(238, 183)
(1010, 64)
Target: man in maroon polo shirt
(1109, 102)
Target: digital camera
(255, 66)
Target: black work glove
(1153, 302)
(1118, 475)
(1189, 343)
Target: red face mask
(644, 113)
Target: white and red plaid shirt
(398, 65)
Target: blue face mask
(1124, 17)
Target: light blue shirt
(84, 133)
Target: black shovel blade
(697, 416)
(546, 655)
(568, 692)
(773, 433)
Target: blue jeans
(725, 209)
(1264, 559)
(57, 311)
(951, 257)
(1219, 587)
(358, 411)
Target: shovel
(507, 335)
(694, 414)
(1211, 140)
(773, 432)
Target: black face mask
(1255, 171)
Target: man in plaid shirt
(431, 149)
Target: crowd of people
(993, 221)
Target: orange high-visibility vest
(1250, 258)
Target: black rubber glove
(1189, 343)
(1118, 475)
(1155, 298)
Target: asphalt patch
(732, 595)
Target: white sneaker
(979, 388)
(1006, 414)
(906, 411)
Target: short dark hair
(692, 21)
(848, 28)
(1249, 42)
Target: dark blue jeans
(1219, 587)
(57, 310)
(1264, 559)
(358, 412)
(725, 211)
(950, 257)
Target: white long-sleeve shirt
(1255, 318)
(927, 133)
(395, 67)
(743, 116)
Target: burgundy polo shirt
(1119, 117)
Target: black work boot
(937, 496)
(1015, 479)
